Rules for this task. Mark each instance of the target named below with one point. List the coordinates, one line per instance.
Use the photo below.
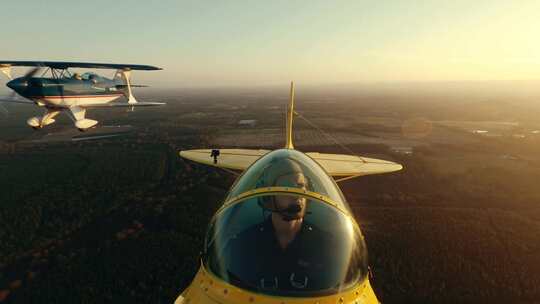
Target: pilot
(93, 78)
(287, 211)
(284, 251)
(77, 76)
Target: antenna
(289, 120)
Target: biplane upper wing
(62, 65)
(340, 165)
(235, 159)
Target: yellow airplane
(285, 233)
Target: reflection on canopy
(288, 168)
(244, 247)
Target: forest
(123, 219)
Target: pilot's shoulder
(253, 231)
(311, 230)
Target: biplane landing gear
(40, 122)
(86, 129)
(84, 124)
(34, 123)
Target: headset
(268, 202)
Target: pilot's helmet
(77, 76)
(286, 173)
(281, 173)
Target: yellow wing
(340, 165)
(235, 159)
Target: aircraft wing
(62, 65)
(340, 165)
(121, 105)
(11, 100)
(235, 159)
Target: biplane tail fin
(289, 120)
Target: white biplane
(58, 90)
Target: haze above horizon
(260, 43)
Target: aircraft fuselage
(68, 92)
(242, 262)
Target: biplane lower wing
(234, 159)
(13, 100)
(122, 105)
(340, 165)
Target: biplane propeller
(58, 90)
(285, 233)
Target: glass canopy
(291, 169)
(264, 245)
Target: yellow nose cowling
(208, 289)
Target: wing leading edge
(62, 65)
(234, 159)
(336, 165)
(13, 100)
(341, 165)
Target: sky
(245, 43)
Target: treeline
(129, 228)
